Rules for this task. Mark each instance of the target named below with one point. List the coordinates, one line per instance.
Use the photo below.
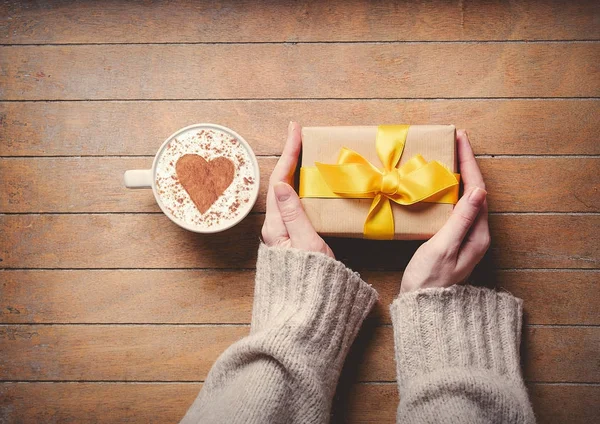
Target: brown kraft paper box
(346, 217)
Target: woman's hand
(286, 224)
(451, 254)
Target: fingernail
(477, 196)
(282, 191)
(290, 125)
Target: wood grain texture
(159, 403)
(152, 241)
(288, 71)
(565, 403)
(552, 241)
(176, 296)
(515, 98)
(496, 126)
(286, 20)
(559, 353)
(57, 403)
(56, 185)
(207, 296)
(186, 353)
(555, 297)
(518, 241)
(377, 403)
(542, 184)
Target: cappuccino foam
(209, 143)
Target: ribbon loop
(355, 177)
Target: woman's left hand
(452, 253)
(286, 223)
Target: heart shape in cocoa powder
(204, 181)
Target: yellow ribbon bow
(355, 177)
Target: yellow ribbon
(355, 177)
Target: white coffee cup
(146, 178)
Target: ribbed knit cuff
(311, 298)
(457, 327)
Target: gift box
(379, 182)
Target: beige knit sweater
(457, 349)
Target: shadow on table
(342, 402)
(360, 254)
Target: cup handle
(138, 178)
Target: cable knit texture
(307, 311)
(457, 349)
(457, 357)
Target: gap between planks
(221, 324)
(551, 213)
(305, 99)
(158, 382)
(253, 269)
(191, 382)
(502, 156)
(293, 43)
(224, 270)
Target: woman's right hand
(286, 223)
(452, 253)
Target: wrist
(311, 299)
(457, 327)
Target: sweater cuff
(323, 301)
(456, 327)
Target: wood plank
(122, 241)
(56, 184)
(175, 296)
(377, 403)
(518, 241)
(186, 353)
(339, 20)
(152, 241)
(532, 247)
(207, 296)
(34, 185)
(38, 185)
(55, 403)
(542, 184)
(160, 403)
(575, 295)
(559, 353)
(288, 71)
(496, 126)
(98, 352)
(565, 403)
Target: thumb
(463, 216)
(299, 228)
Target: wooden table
(112, 314)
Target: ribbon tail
(379, 224)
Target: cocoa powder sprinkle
(209, 144)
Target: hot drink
(206, 179)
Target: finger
(273, 227)
(476, 243)
(286, 165)
(299, 228)
(464, 215)
(469, 170)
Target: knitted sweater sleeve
(457, 357)
(307, 311)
